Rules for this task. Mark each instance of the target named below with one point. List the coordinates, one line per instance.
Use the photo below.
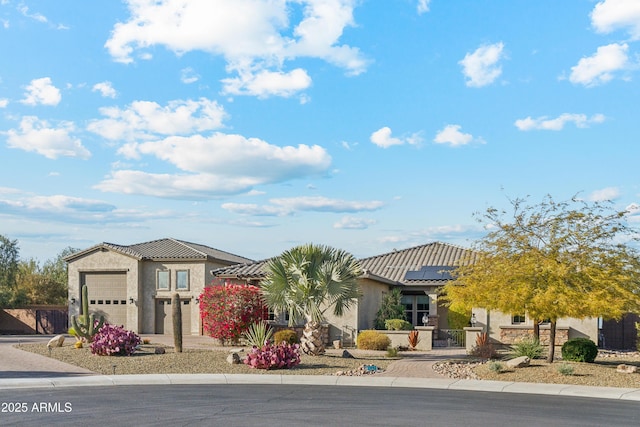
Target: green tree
(8, 270)
(308, 280)
(390, 308)
(46, 284)
(552, 260)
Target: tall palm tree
(308, 280)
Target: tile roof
(394, 266)
(166, 249)
(390, 268)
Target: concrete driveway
(15, 363)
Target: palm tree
(308, 280)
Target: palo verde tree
(308, 280)
(552, 260)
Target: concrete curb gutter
(368, 381)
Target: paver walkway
(421, 365)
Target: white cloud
(609, 193)
(544, 123)
(145, 119)
(105, 88)
(423, 6)
(382, 138)
(254, 36)
(353, 223)
(267, 83)
(41, 91)
(452, 135)
(288, 206)
(24, 10)
(4, 102)
(481, 67)
(611, 15)
(188, 76)
(37, 135)
(599, 68)
(220, 164)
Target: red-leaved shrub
(228, 310)
(112, 340)
(269, 356)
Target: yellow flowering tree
(552, 260)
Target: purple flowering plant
(112, 340)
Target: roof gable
(165, 250)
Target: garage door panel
(164, 316)
(107, 292)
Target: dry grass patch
(601, 373)
(193, 361)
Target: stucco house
(419, 272)
(132, 285)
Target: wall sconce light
(73, 301)
(131, 301)
(197, 300)
(473, 320)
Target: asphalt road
(288, 405)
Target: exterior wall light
(131, 301)
(73, 301)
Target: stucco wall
(585, 328)
(105, 261)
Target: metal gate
(620, 335)
(450, 338)
(51, 322)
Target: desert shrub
(496, 367)
(413, 339)
(258, 334)
(373, 340)
(114, 340)
(397, 325)
(279, 356)
(287, 335)
(565, 369)
(529, 346)
(483, 347)
(228, 310)
(392, 352)
(579, 350)
(390, 308)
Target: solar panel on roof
(430, 272)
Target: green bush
(287, 335)
(565, 369)
(495, 366)
(529, 347)
(580, 350)
(373, 340)
(397, 325)
(390, 308)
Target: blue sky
(256, 125)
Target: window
(162, 280)
(182, 280)
(517, 319)
(416, 307)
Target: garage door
(108, 295)
(164, 320)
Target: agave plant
(258, 334)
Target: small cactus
(86, 325)
(177, 323)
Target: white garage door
(164, 319)
(107, 294)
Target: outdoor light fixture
(473, 320)
(131, 300)
(425, 320)
(73, 301)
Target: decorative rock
(56, 341)
(347, 355)
(519, 362)
(626, 369)
(160, 350)
(233, 359)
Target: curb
(235, 379)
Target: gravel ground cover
(600, 373)
(195, 361)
